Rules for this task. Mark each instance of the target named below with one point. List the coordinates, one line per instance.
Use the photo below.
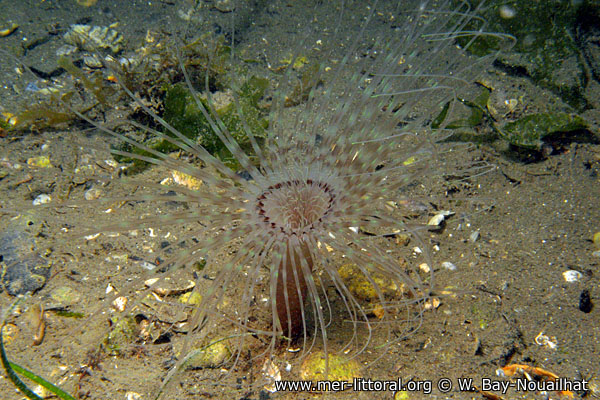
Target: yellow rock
(8, 31)
(409, 160)
(362, 288)
(596, 239)
(207, 356)
(340, 368)
(298, 63)
(87, 3)
(401, 395)
(191, 298)
(40, 161)
(186, 180)
(9, 333)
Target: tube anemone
(295, 237)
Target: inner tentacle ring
(295, 206)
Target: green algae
(122, 334)
(309, 79)
(60, 108)
(545, 48)
(529, 131)
(526, 133)
(185, 114)
(238, 110)
(94, 84)
(47, 114)
(477, 108)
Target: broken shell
(92, 236)
(94, 38)
(132, 395)
(8, 31)
(167, 286)
(225, 6)
(438, 218)
(66, 50)
(432, 303)
(572, 275)
(151, 281)
(42, 199)
(449, 266)
(92, 194)
(147, 265)
(543, 340)
(474, 236)
(35, 318)
(92, 61)
(425, 268)
(120, 303)
(271, 372)
(189, 181)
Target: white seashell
(133, 396)
(147, 265)
(543, 340)
(92, 237)
(572, 275)
(474, 236)
(42, 199)
(438, 218)
(449, 266)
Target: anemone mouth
(295, 207)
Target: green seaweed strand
(12, 369)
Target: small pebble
(32, 87)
